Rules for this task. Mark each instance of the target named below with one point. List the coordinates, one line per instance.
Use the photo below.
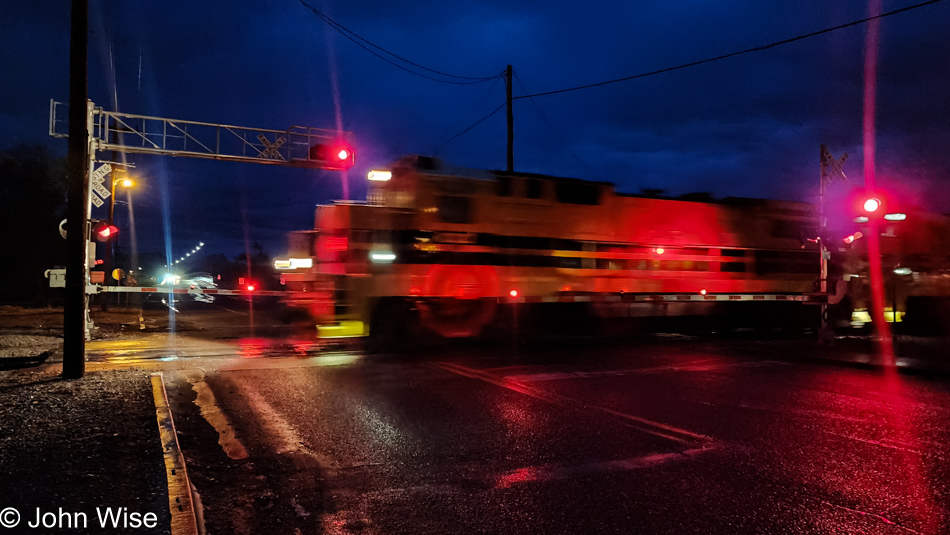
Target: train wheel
(457, 318)
(459, 300)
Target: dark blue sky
(746, 126)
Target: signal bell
(336, 156)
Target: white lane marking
(696, 366)
(285, 438)
(805, 413)
(212, 413)
(533, 474)
(880, 517)
(648, 426)
(891, 444)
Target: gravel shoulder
(80, 445)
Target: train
(455, 252)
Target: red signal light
(872, 205)
(513, 294)
(250, 287)
(337, 156)
(103, 231)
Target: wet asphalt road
(634, 436)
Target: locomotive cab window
(455, 209)
(503, 186)
(578, 193)
(533, 188)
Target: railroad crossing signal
(168, 137)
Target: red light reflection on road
(522, 475)
(252, 348)
(903, 421)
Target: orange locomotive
(447, 249)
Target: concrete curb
(180, 503)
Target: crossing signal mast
(297, 146)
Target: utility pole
(822, 247)
(511, 124)
(77, 207)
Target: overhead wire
(732, 54)
(366, 44)
(467, 130)
(475, 107)
(551, 126)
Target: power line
(359, 41)
(475, 107)
(733, 54)
(478, 122)
(551, 126)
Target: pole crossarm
(143, 134)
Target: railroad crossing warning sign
(100, 174)
(837, 165)
(270, 149)
(101, 190)
(97, 178)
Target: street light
(126, 182)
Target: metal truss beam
(143, 134)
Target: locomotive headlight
(294, 263)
